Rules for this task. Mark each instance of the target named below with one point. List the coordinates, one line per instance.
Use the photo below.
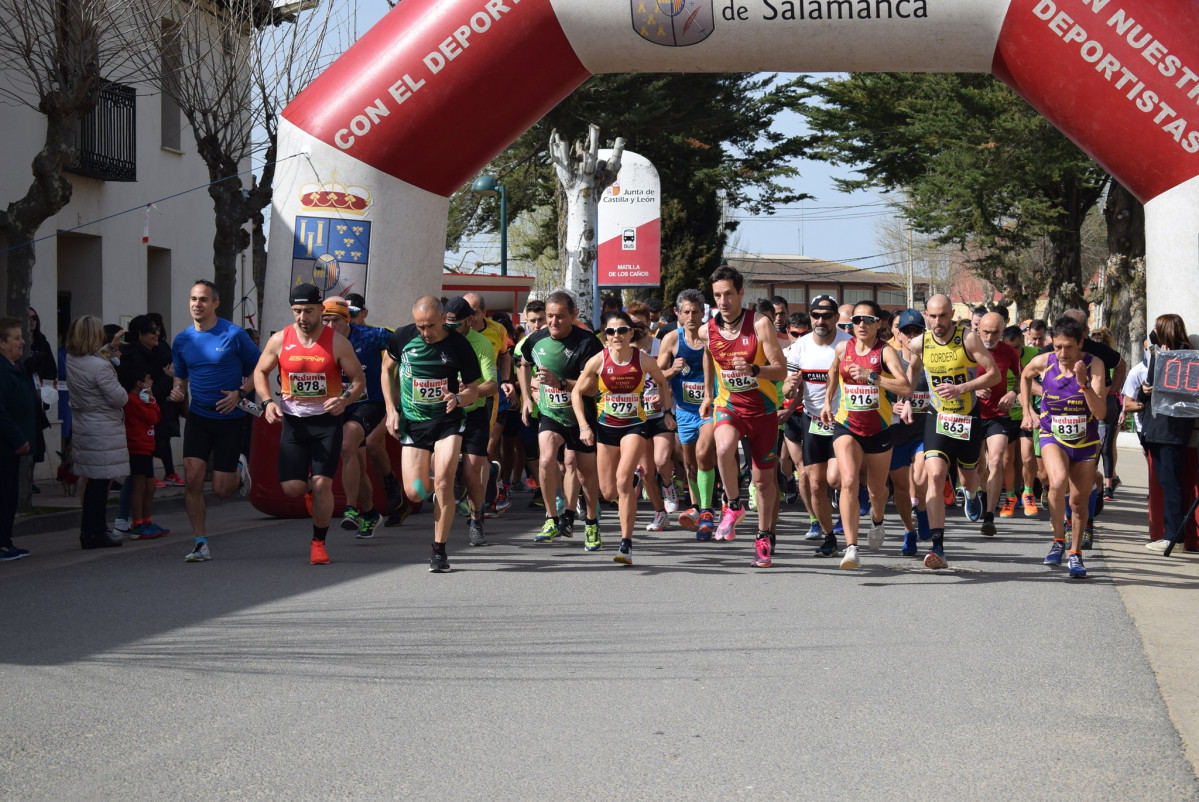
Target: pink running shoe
(762, 553)
(728, 523)
(689, 519)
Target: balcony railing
(107, 138)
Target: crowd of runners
(736, 408)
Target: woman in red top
(616, 377)
(863, 372)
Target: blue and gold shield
(673, 23)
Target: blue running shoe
(814, 532)
(1077, 569)
(838, 529)
(828, 548)
(922, 530)
(974, 507)
(909, 544)
(561, 502)
(863, 500)
(1056, 551)
(705, 525)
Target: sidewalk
(56, 510)
(1157, 594)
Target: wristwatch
(754, 370)
(872, 377)
(241, 393)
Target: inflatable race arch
(435, 90)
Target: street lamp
(486, 185)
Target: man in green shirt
(426, 399)
(475, 462)
(558, 354)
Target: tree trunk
(582, 178)
(1123, 296)
(1067, 287)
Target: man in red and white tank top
(311, 358)
(746, 362)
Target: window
(106, 139)
(853, 296)
(893, 297)
(794, 295)
(170, 62)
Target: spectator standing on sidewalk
(18, 414)
(163, 371)
(98, 437)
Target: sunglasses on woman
(863, 320)
(617, 330)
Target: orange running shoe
(308, 503)
(1009, 507)
(1030, 505)
(319, 555)
(689, 519)
(950, 497)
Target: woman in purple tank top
(1072, 404)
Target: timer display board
(1176, 384)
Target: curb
(69, 518)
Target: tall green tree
(711, 138)
(981, 168)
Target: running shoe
(438, 564)
(394, 492)
(398, 515)
(351, 520)
(580, 507)
(1056, 551)
(10, 553)
(173, 479)
(974, 507)
(949, 495)
(705, 525)
(243, 476)
(476, 533)
(828, 548)
(1077, 569)
(591, 538)
(566, 525)
(791, 492)
(317, 554)
(814, 532)
(689, 519)
(670, 498)
(462, 508)
(988, 528)
(536, 501)
(935, 559)
(1088, 537)
(625, 555)
(876, 536)
(199, 554)
(308, 503)
(923, 531)
(143, 532)
(559, 503)
(661, 519)
(503, 499)
(1008, 509)
(762, 553)
(159, 531)
(549, 531)
(753, 499)
(489, 511)
(1045, 499)
(366, 529)
(728, 523)
(531, 485)
(838, 528)
(850, 560)
(1030, 505)
(863, 500)
(1159, 546)
(909, 543)
(159, 483)
(123, 525)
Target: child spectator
(141, 414)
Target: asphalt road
(545, 672)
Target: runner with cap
(681, 358)
(430, 375)
(809, 360)
(867, 374)
(477, 429)
(910, 416)
(950, 355)
(558, 353)
(311, 358)
(747, 361)
(214, 366)
(365, 337)
(1072, 404)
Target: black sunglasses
(863, 320)
(822, 315)
(617, 330)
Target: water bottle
(253, 407)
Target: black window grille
(107, 138)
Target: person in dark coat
(18, 419)
(164, 381)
